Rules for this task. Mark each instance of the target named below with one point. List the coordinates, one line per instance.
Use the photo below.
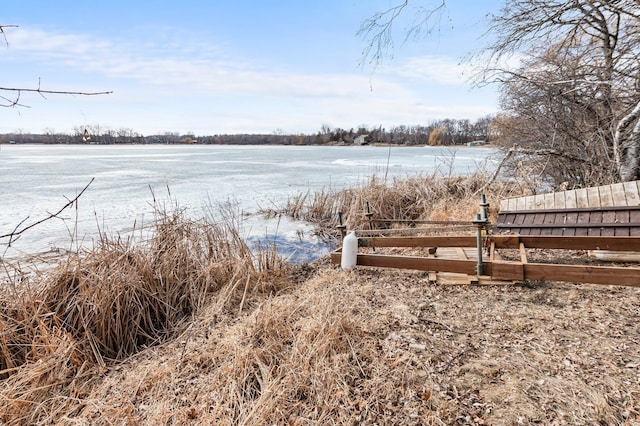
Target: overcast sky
(240, 66)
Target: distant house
(361, 140)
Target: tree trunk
(627, 145)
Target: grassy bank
(191, 327)
(398, 202)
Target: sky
(229, 67)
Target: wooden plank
(581, 198)
(523, 253)
(606, 198)
(538, 219)
(595, 219)
(568, 243)
(547, 226)
(559, 200)
(583, 274)
(514, 270)
(631, 193)
(560, 218)
(618, 195)
(513, 242)
(615, 256)
(593, 197)
(504, 204)
(570, 218)
(461, 253)
(576, 209)
(508, 271)
(511, 219)
(634, 217)
(528, 220)
(559, 224)
(521, 203)
(519, 218)
(549, 200)
(570, 199)
(584, 225)
(418, 263)
(623, 218)
(583, 219)
(519, 221)
(538, 201)
(608, 217)
(530, 202)
(571, 273)
(435, 241)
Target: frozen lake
(38, 179)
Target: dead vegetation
(193, 328)
(408, 201)
(118, 299)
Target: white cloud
(205, 68)
(438, 69)
(185, 84)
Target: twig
(495, 174)
(450, 362)
(54, 92)
(4, 35)
(244, 295)
(447, 327)
(10, 103)
(16, 233)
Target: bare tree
(572, 101)
(576, 84)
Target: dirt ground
(532, 353)
(415, 353)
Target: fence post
(481, 221)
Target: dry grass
(386, 347)
(310, 356)
(407, 201)
(113, 302)
(192, 328)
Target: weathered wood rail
(597, 218)
(507, 270)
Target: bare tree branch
(55, 92)
(13, 102)
(378, 30)
(9, 103)
(3, 34)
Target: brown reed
(112, 302)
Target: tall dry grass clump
(314, 355)
(382, 204)
(111, 303)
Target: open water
(36, 180)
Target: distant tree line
(439, 132)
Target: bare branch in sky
(9, 102)
(12, 102)
(377, 30)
